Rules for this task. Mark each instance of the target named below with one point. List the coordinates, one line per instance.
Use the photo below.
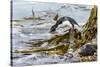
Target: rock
(88, 50)
(72, 58)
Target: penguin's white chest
(67, 23)
(63, 27)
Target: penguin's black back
(72, 21)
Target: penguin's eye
(63, 18)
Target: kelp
(75, 37)
(53, 41)
(89, 29)
(61, 49)
(56, 17)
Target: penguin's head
(64, 19)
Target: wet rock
(72, 58)
(88, 50)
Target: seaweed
(61, 49)
(56, 17)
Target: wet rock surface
(88, 50)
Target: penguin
(64, 22)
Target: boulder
(88, 50)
